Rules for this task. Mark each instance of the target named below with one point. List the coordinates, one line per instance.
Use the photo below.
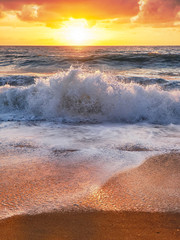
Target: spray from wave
(77, 95)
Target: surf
(78, 95)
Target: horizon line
(141, 45)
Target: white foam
(46, 166)
(77, 95)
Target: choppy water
(91, 111)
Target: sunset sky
(90, 22)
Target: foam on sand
(153, 186)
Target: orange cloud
(98, 9)
(52, 13)
(1, 11)
(28, 12)
(161, 12)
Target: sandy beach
(92, 226)
(133, 196)
(153, 186)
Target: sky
(90, 22)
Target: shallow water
(48, 166)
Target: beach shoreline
(89, 138)
(151, 187)
(105, 215)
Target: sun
(77, 32)
(77, 35)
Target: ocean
(72, 117)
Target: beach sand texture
(129, 206)
(153, 186)
(92, 226)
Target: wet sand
(128, 206)
(153, 186)
(91, 225)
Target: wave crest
(77, 95)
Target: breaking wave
(80, 96)
(16, 80)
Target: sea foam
(79, 96)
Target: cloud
(52, 13)
(79, 8)
(159, 12)
(1, 11)
(37, 13)
(29, 12)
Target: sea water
(72, 117)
